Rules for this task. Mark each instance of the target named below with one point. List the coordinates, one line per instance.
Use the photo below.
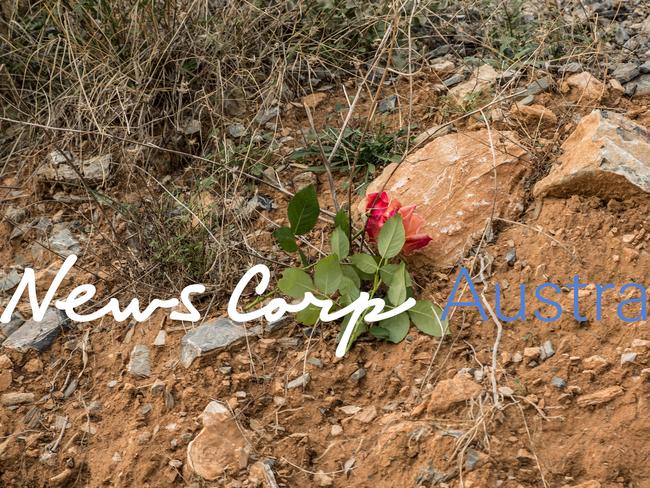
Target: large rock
(452, 181)
(212, 336)
(37, 335)
(607, 155)
(215, 450)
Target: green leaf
(341, 220)
(348, 289)
(303, 210)
(397, 327)
(286, 239)
(351, 273)
(388, 271)
(379, 333)
(397, 289)
(309, 315)
(391, 237)
(328, 274)
(426, 317)
(340, 244)
(364, 262)
(295, 282)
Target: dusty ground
(123, 432)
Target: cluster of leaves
(368, 150)
(342, 275)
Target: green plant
(369, 150)
(342, 275)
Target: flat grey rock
(639, 87)
(212, 336)
(9, 280)
(625, 72)
(139, 363)
(37, 335)
(7, 329)
(63, 241)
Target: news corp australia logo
(629, 308)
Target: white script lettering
(277, 307)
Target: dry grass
(156, 84)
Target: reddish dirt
(539, 437)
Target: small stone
(139, 364)
(511, 256)
(146, 409)
(474, 458)
(216, 449)
(366, 415)
(117, 458)
(37, 335)
(583, 86)
(526, 458)
(300, 381)
(540, 85)
(645, 67)
(313, 100)
(12, 326)
(323, 480)
(595, 363)
(212, 336)
(448, 393)
(237, 130)
(112, 384)
(144, 438)
(506, 391)
(388, 104)
(453, 80)
(636, 344)
(532, 353)
(315, 362)
(528, 100)
(336, 430)
(558, 382)
(442, 66)
(264, 116)
(95, 170)
(573, 67)
(13, 399)
(517, 357)
(625, 72)
(161, 338)
(5, 362)
(175, 463)
(6, 378)
(33, 366)
(628, 357)
(627, 238)
(63, 242)
(358, 375)
(639, 87)
(547, 350)
(9, 280)
(600, 397)
(225, 370)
